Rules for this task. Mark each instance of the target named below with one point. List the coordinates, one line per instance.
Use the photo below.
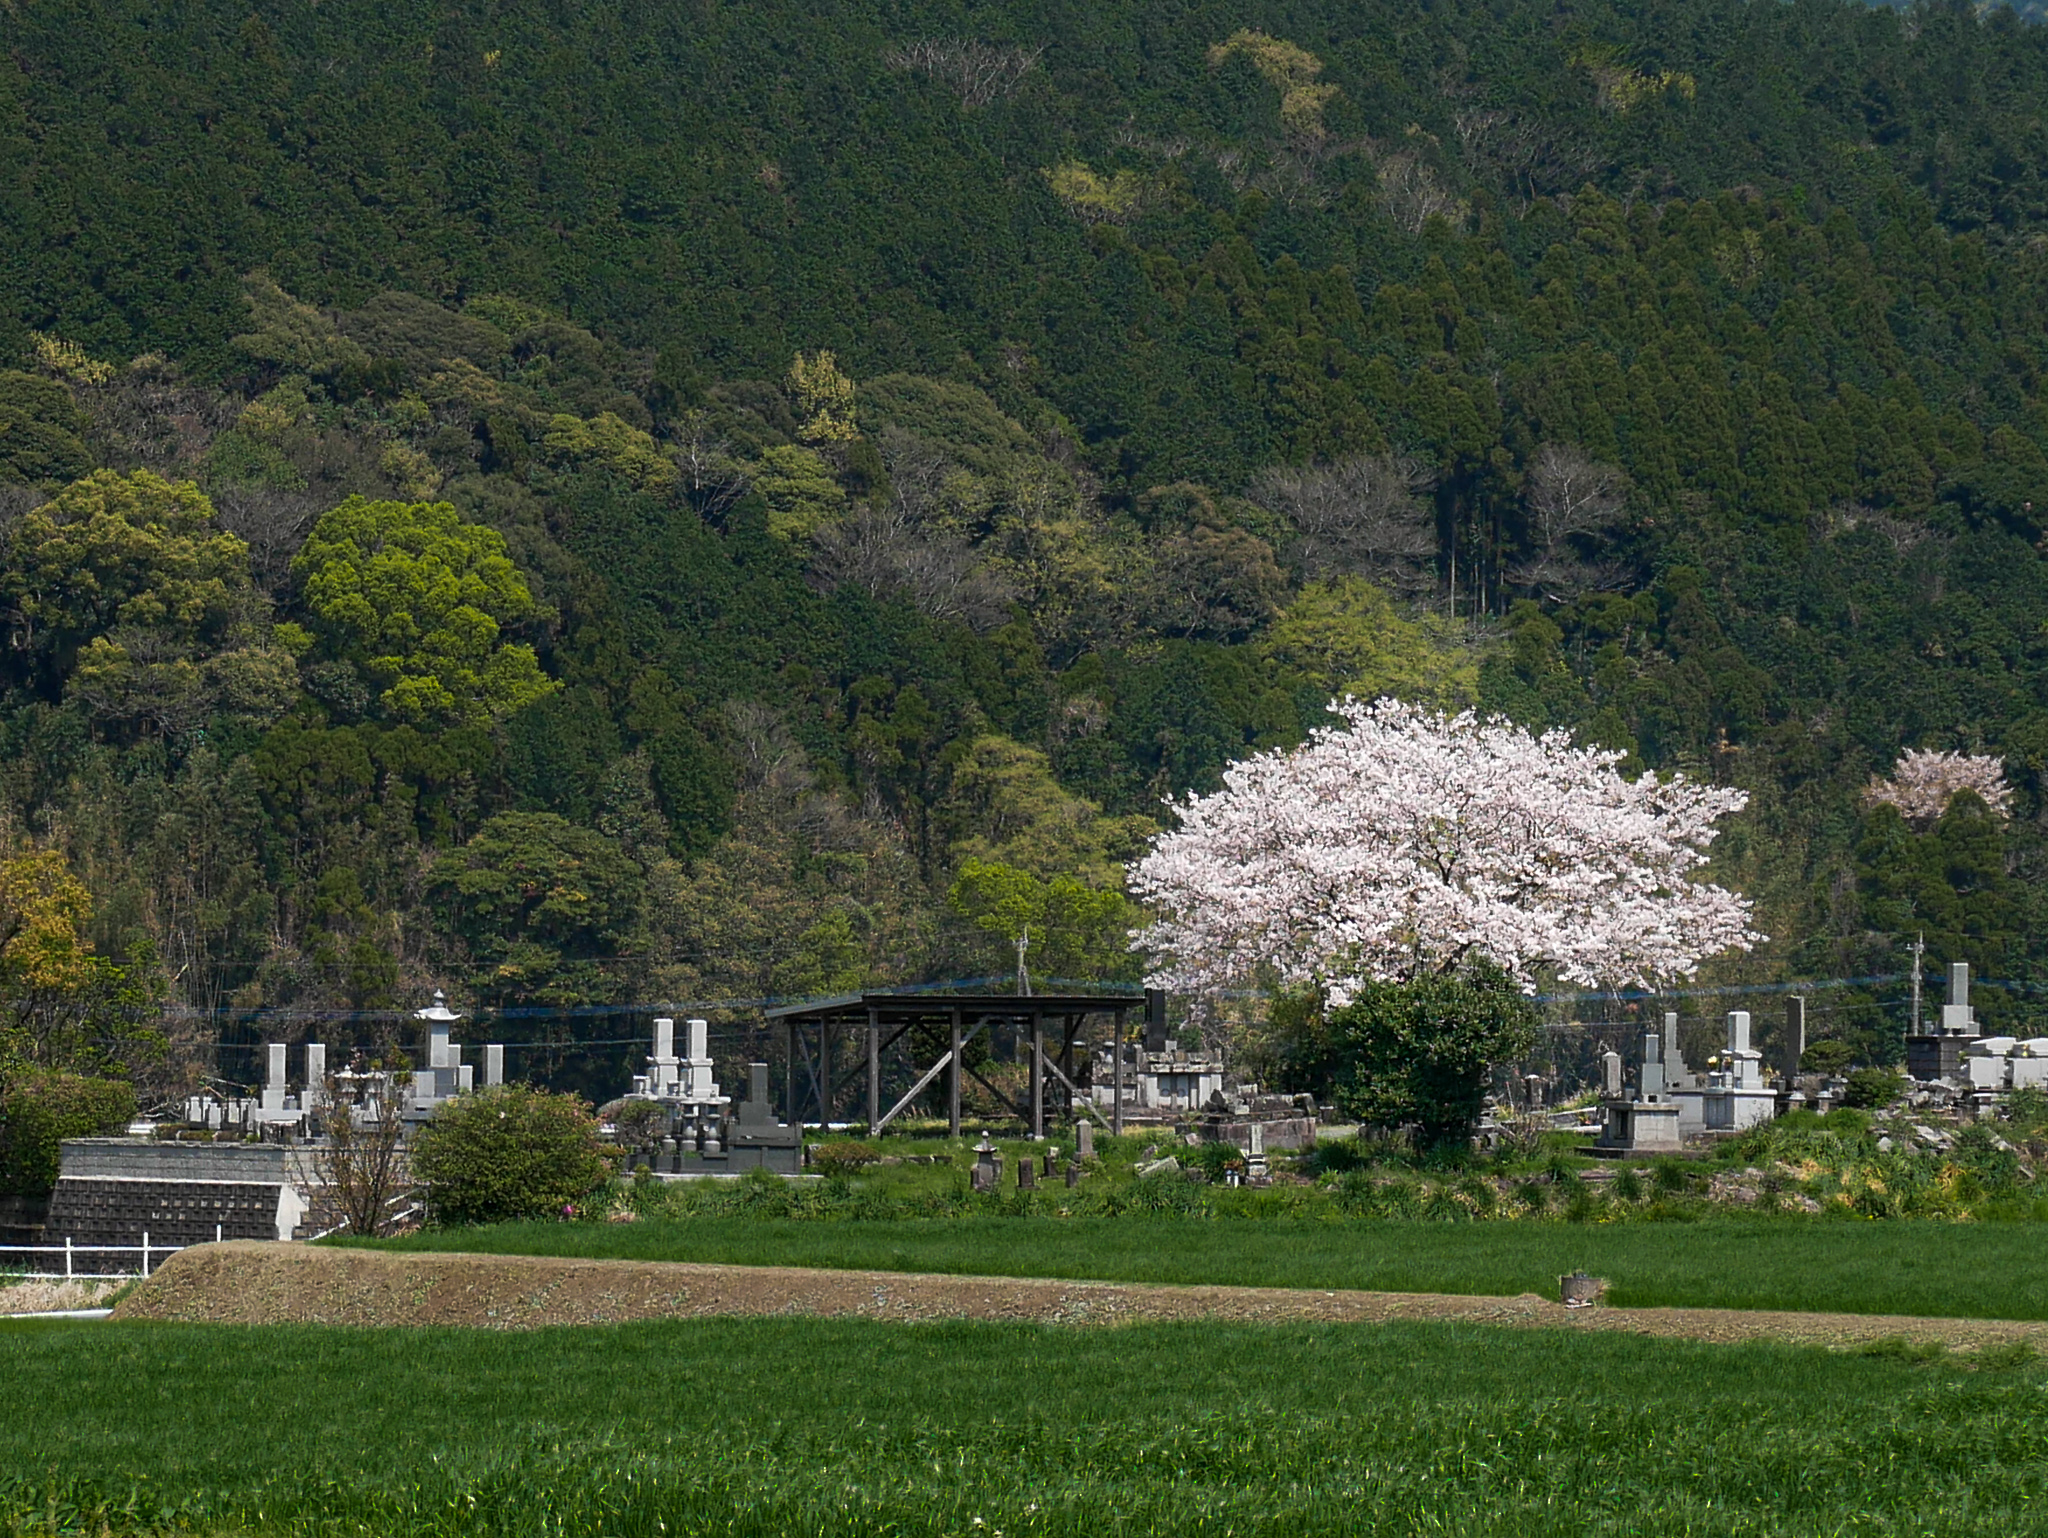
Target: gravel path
(247, 1282)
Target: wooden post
(874, 1071)
(1037, 1074)
(789, 1101)
(824, 1074)
(953, 1079)
(1069, 1028)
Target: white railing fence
(74, 1252)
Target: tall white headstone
(1957, 1017)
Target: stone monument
(1939, 1053)
(1648, 1121)
(1734, 1096)
(756, 1139)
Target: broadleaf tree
(1402, 844)
(417, 598)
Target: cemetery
(1105, 1118)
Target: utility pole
(1919, 949)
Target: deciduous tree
(1402, 843)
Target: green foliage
(1872, 1088)
(510, 1152)
(1421, 1051)
(1073, 930)
(612, 444)
(1346, 637)
(417, 599)
(1014, 595)
(800, 490)
(124, 556)
(541, 902)
(842, 1157)
(41, 430)
(39, 1109)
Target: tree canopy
(417, 599)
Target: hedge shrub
(39, 1110)
(510, 1152)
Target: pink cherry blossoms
(1923, 783)
(1406, 841)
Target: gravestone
(1648, 1120)
(1255, 1155)
(1052, 1156)
(1735, 1096)
(988, 1169)
(1086, 1148)
(758, 1140)
(313, 1097)
(1791, 1048)
(1651, 1083)
(1957, 1017)
(1027, 1173)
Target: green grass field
(1983, 1271)
(788, 1427)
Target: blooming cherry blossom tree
(1403, 842)
(1923, 783)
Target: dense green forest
(723, 500)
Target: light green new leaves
(1346, 637)
(416, 597)
(133, 550)
(1074, 930)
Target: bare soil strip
(247, 1282)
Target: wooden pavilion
(818, 1031)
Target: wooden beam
(1015, 1109)
(1079, 1099)
(950, 1061)
(915, 1090)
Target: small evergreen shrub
(39, 1110)
(843, 1157)
(1872, 1088)
(511, 1152)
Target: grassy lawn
(1984, 1271)
(781, 1427)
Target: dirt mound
(246, 1282)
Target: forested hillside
(724, 500)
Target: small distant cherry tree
(1924, 782)
(1403, 843)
